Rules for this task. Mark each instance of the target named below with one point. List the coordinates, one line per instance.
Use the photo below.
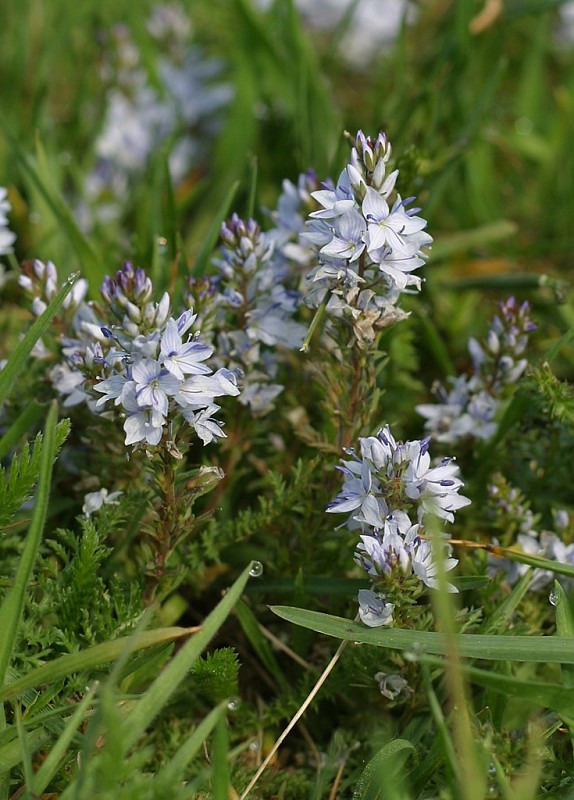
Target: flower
(374, 610)
(470, 407)
(382, 487)
(364, 233)
(391, 476)
(392, 685)
(7, 238)
(93, 501)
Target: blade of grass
(209, 242)
(92, 657)
(173, 771)
(37, 174)
(11, 754)
(13, 603)
(540, 649)
(174, 673)
(383, 772)
(221, 774)
(446, 246)
(20, 427)
(556, 696)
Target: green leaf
(174, 770)
(221, 775)
(11, 753)
(20, 427)
(53, 760)
(549, 695)
(541, 649)
(204, 255)
(13, 603)
(92, 657)
(38, 174)
(445, 246)
(177, 670)
(250, 626)
(381, 777)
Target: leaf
(149, 706)
(549, 695)
(381, 775)
(202, 260)
(174, 769)
(92, 657)
(58, 752)
(21, 425)
(13, 603)
(540, 649)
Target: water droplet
(256, 570)
(254, 746)
(72, 278)
(554, 598)
(233, 704)
(491, 768)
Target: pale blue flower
(391, 686)
(142, 424)
(426, 569)
(93, 501)
(154, 385)
(206, 427)
(389, 226)
(374, 610)
(348, 241)
(181, 358)
(7, 237)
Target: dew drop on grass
(233, 704)
(553, 598)
(72, 278)
(256, 570)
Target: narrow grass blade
(250, 626)
(37, 174)
(24, 749)
(381, 777)
(202, 260)
(11, 753)
(445, 246)
(435, 342)
(20, 427)
(92, 657)
(174, 673)
(13, 603)
(540, 649)
(173, 771)
(50, 765)
(548, 695)
(19, 357)
(221, 775)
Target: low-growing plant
(285, 498)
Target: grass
(139, 657)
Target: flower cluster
(470, 406)
(7, 238)
(249, 309)
(368, 31)
(387, 486)
(40, 281)
(512, 514)
(369, 241)
(141, 358)
(184, 100)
